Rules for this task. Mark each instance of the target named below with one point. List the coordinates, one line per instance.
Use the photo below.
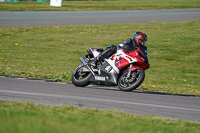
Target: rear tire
(79, 78)
(135, 80)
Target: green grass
(54, 52)
(30, 118)
(100, 5)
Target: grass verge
(53, 52)
(26, 117)
(100, 5)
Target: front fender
(135, 67)
(132, 69)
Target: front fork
(129, 71)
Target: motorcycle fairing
(106, 74)
(120, 60)
(110, 69)
(143, 57)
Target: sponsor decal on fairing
(120, 58)
(100, 78)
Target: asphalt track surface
(93, 96)
(101, 97)
(55, 18)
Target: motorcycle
(125, 69)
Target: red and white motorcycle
(125, 69)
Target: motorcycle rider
(129, 45)
(138, 41)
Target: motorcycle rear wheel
(79, 78)
(131, 83)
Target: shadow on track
(115, 88)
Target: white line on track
(97, 99)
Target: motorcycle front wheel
(80, 78)
(130, 83)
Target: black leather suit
(130, 46)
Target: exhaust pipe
(85, 63)
(83, 60)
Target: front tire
(79, 78)
(131, 83)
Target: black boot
(96, 60)
(110, 50)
